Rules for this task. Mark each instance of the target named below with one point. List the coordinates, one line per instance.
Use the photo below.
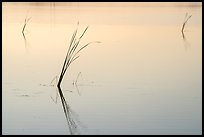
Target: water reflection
(75, 83)
(185, 41)
(25, 42)
(70, 116)
(73, 127)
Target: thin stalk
(25, 23)
(77, 78)
(185, 22)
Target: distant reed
(25, 23)
(187, 17)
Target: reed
(73, 52)
(75, 83)
(25, 23)
(185, 21)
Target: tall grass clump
(73, 52)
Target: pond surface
(145, 77)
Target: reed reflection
(73, 127)
(75, 83)
(71, 117)
(186, 43)
(25, 42)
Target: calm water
(143, 78)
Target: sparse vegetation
(73, 53)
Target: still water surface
(143, 78)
